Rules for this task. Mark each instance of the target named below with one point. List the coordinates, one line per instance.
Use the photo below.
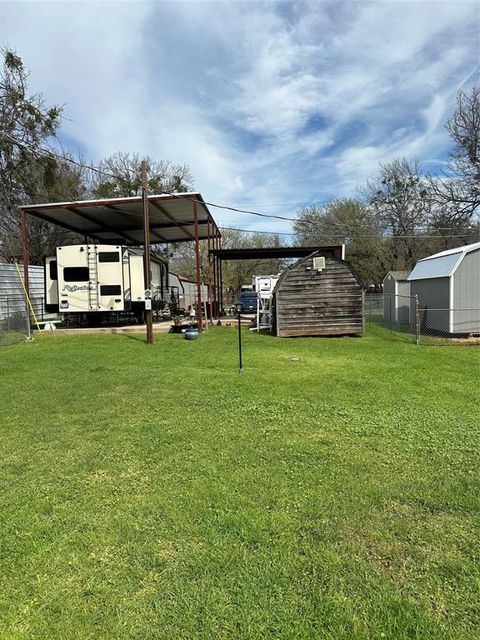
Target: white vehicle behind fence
(264, 285)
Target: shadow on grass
(137, 337)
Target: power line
(40, 151)
(289, 219)
(270, 233)
(327, 235)
(51, 154)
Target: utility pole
(146, 257)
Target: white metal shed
(448, 288)
(396, 297)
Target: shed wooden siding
(318, 303)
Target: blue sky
(272, 104)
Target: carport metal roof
(120, 220)
(335, 251)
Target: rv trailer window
(52, 268)
(76, 274)
(110, 290)
(108, 256)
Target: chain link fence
(406, 316)
(14, 320)
(17, 322)
(448, 326)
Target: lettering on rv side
(71, 288)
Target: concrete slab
(158, 327)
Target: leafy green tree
(350, 222)
(28, 174)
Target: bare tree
(399, 197)
(235, 272)
(457, 194)
(123, 176)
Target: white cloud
(267, 102)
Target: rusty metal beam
(198, 269)
(153, 225)
(128, 214)
(146, 252)
(172, 219)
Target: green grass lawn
(332, 491)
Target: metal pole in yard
(146, 256)
(240, 359)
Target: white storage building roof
(441, 265)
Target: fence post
(29, 326)
(391, 312)
(8, 315)
(417, 320)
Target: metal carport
(138, 220)
(218, 255)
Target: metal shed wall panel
(403, 302)
(388, 298)
(433, 293)
(12, 299)
(466, 294)
(396, 297)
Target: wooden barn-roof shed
(318, 296)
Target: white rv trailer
(101, 278)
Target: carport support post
(198, 269)
(219, 293)
(221, 281)
(214, 269)
(146, 252)
(210, 238)
(217, 296)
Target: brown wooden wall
(318, 303)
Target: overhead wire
(48, 153)
(371, 237)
